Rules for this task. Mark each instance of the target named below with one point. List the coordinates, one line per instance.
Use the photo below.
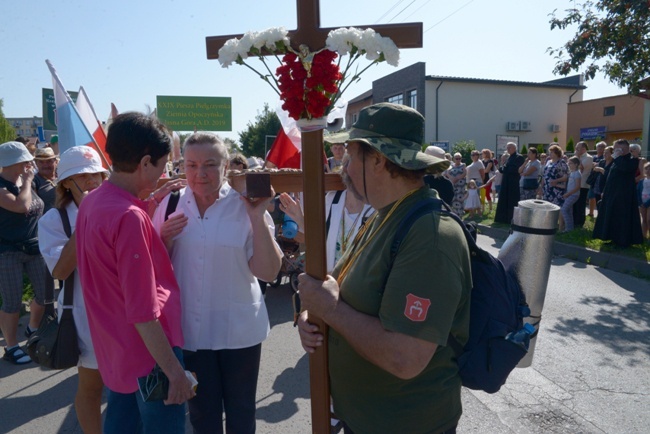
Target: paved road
(591, 372)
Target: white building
(489, 112)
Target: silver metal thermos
(527, 253)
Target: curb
(610, 261)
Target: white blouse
(222, 304)
(51, 240)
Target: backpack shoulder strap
(421, 208)
(68, 296)
(174, 197)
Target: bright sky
(127, 52)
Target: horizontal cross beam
(406, 35)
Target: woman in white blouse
(219, 243)
(80, 172)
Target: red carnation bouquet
(310, 83)
(308, 88)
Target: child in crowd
(572, 193)
(643, 189)
(472, 199)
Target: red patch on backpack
(416, 307)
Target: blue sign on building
(592, 133)
(444, 145)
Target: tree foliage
(464, 148)
(569, 145)
(524, 150)
(233, 146)
(612, 37)
(253, 139)
(7, 131)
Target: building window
(609, 111)
(413, 99)
(396, 99)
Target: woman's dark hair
(239, 159)
(134, 135)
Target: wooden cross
(309, 33)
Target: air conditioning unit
(525, 126)
(512, 126)
(555, 128)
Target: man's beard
(348, 184)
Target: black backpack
(498, 339)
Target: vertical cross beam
(309, 32)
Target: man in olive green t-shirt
(390, 367)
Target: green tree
(540, 149)
(569, 145)
(253, 139)
(7, 132)
(465, 148)
(524, 150)
(233, 146)
(612, 37)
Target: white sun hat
(13, 153)
(79, 159)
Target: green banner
(49, 119)
(189, 113)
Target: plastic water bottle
(289, 227)
(522, 337)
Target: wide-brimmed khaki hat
(397, 131)
(336, 138)
(45, 154)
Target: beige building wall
(26, 127)
(482, 111)
(622, 116)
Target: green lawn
(580, 237)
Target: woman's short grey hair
(635, 147)
(202, 137)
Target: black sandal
(16, 355)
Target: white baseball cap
(79, 159)
(13, 153)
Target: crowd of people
(168, 275)
(576, 184)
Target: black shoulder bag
(55, 343)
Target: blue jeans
(128, 413)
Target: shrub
(465, 148)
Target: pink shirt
(127, 278)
